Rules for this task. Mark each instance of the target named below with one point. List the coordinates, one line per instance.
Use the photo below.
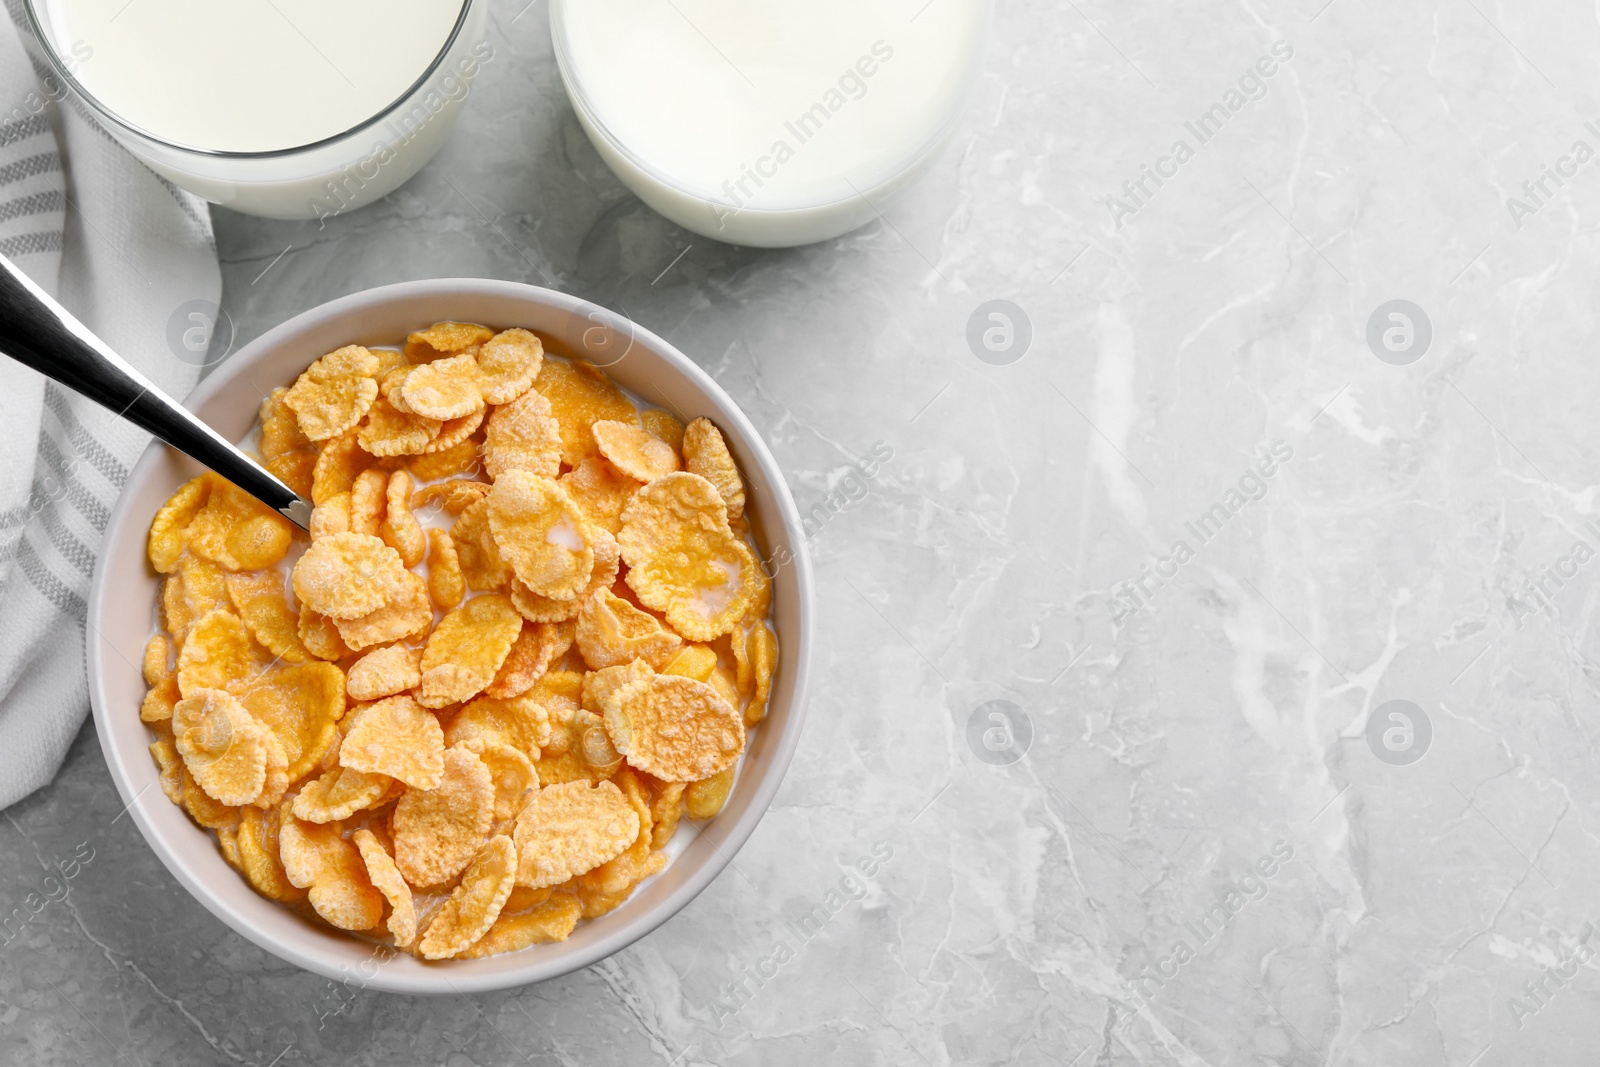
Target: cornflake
(438, 831)
(318, 858)
(675, 728)
(570, 829)
(466, 649)
(705, 453)
(386, 878)
(230, 754)
(640, 455)
(683, 558)
(523, 435)
(334, 393)
(475, 904)
(541, 533)
(396, 737)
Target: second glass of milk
(768, 122)
(285, 108)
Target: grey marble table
(1114, 618)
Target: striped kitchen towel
(132, 257)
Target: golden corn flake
(346, 576)
(301, 705)
(296, 469)
(723, 682)
(523, 435)
(665, 425)
(482, 565)
(206, 812)
(159, 700)
(155, 666)
(386, 879)
(443, 339)
(338, 462)
(169, 767)
(453, 497)
(334, 393)
(522, 898)
(367, 502)
(515, 780)
(550, 921)
(389, 360)
(400, 529)
(387, 431)
(570, 829)
(340, 793)
(634, 452)
(193, 591)
(567, 767)
(612, 632)
(217, 653)
(683, 558)
(665, 811)
(695, 661)
(600, 491)
(675, 728)
(507, 364)
(229, 753)
(443, 389)
(332, 516)
(458, 457)
(257, 842)
(446, 586)
(541, 534)
(614, 878)
(594, 745)
(705, 453)
(598, 685)
(236, 531)
(320, 636)
(705, 798)
(455, 432)
(169, 529)
(520, 722)
(280, 427)
(407, 616)
(607, 562)
(396, 737)
(384, 672)
(537, 648)
(761, 652)
(581, 395)
(475, 904)
(318, 858)
(466, 649)
(559, 693)
(438, 831)
(258, 598)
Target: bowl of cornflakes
(526, 686)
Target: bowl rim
(731, 838)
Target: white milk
(200, 89)
(768, 122)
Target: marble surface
(1122, 793)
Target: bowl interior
(122, 615)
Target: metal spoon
(38, 332)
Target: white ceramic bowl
(122, 612)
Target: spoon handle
(40, 333)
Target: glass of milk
(768, 122)
(283, 108)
